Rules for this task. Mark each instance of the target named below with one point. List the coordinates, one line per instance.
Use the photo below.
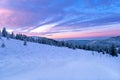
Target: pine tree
(12, 35)
(0, 34)
(119, 50)
(2, 45)
(113, 51)
(25, 42)
(4, 32)
(7, 37)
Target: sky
(61, 19)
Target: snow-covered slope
(44, 62)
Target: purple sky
(61, 18)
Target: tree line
(112, 50)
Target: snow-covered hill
(105, 42)
(44, 62)
(79, 42)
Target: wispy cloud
(58, 17)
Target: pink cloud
(4, 15)
(4, 1)
(98, 31)
(85, 35)
(13, 19)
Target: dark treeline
(101, 49)
(112, 50)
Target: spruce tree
(25, 42)
(12, 35)
(113, 51)
(2, 45)
(7, 37)
(4, 32)
(0, 34)
(119, 50)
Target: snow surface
(44, 62)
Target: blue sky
(61, 18)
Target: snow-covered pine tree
(8, 36)
(119, 50)
(25, 42)
(4, 32)
(113, 51)
(2, 45)
(0, 34)
(12, 35)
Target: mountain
(105, 42)
(79, 42)
(44, 62)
